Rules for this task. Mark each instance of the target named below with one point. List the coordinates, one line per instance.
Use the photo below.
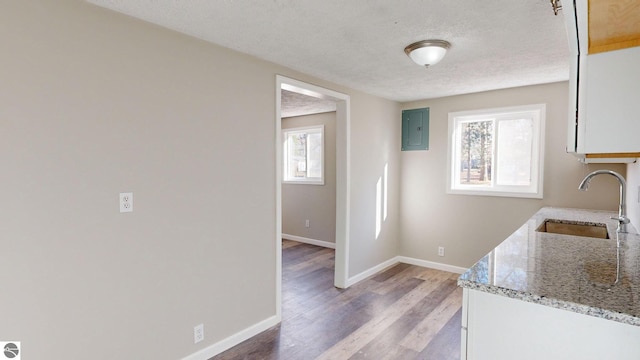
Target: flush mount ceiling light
(427, 52)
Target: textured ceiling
(295, 104)
(359, 43)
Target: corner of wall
(633, 183)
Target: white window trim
(535, 190)
(306, 181)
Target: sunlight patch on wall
(382, 200)
(378, 207)
(386, 176)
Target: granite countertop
(585, 275)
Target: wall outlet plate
(126, 202)
(198, 333)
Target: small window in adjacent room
(497, 152)
(303, 150)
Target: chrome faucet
(622, 218)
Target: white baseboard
(255, 329)
(432, 265)
(305, 240)
(407, 260)
(233, 340)
(371, 271)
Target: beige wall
(93, 103)
(470, 226)
(376, 141)
(316, 203)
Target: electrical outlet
(126, 202)
(306, 223)
(198, 333)
(440, 250)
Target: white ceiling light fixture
(427, 52)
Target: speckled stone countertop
(581, 274)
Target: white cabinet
(501, 328)
(604, 101)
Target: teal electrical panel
(415, 129)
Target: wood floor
(405, 312)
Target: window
(497, 152)
(303, 150)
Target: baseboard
(407, 260)
(255, 329)
(305, 240)
(233, 340)
(432, 265)
(371, 271)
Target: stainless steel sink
(575, 228)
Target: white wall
(633, 197)
(316, 203)
(470, 226)
(93, 103)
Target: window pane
(497, 152)
(515, 147)
(476, 152)
(297, 155)
(315, 155)
(303, 151)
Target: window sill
(500, 193)
(303, 182)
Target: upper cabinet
(604, 99)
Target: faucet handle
(621, 219)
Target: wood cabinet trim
(612, 155)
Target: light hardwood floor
(404, 312)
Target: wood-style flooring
(405, 312)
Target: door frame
(343, 172)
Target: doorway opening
(342, 126)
